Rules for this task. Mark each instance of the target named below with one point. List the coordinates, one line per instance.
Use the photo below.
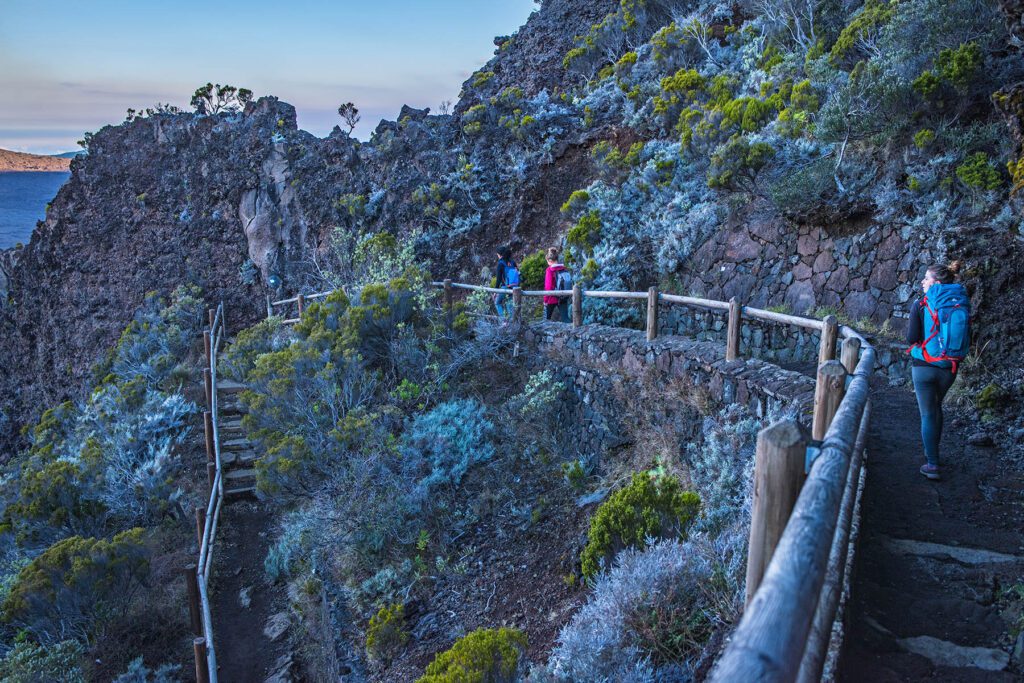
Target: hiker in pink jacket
(556, 277)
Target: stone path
(928, 598)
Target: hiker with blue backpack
(939, 334)
(556, 278)
(507, 277)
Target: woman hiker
(506, 277)
(556, 278)
(939, 334)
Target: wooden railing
(197, 576)
(805, 489)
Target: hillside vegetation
(435, 520)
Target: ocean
(23, 200)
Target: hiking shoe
(931, 472)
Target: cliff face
(157, 203)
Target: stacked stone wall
(602, 365)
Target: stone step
(240, 492)
(238, 458)
(235, 476)
(227, 386)
(239, 444)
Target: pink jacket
(550, 276)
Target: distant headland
(20, 161)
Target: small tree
(214, 99)
(350, 115)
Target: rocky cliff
(707, 164)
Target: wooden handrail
(210, 519)
(772, 638)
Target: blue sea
(23, 200)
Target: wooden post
(208, 428)
(300, 301)
(448, 300)
(577, 306)
(192, 587)
(778, 477)
(829, 335)
(828, 393)
(732, 344)
(270, 307)
(517, 303)
(202, 672)
(212, 313)
(200, 525)
(207, 346)
(211, 472)
(652, 313)
(208, 383)
(850, 354)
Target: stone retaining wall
(604, 364)
(774, 342)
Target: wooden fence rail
(800, 526)
(197, 575)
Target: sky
(70, 66)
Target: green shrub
(872, 17)
(960, 66)
(736, 163)
(927, 85)
(576, 201)
(483, 656)
(263, 337)
(647, 506)
(991, 398)
(482, 78)
(586, 233)
(531, 270)
(76, 585)
(386, 632)
(28, 662)
(924, 137)
(977, 173)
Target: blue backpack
(947, 326)
(511, 275)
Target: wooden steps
(237, 453)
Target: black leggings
(931, 385)
(563, 311)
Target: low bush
(483, 656)
(138, 672)
(649, 506)
(29, 662)
(386, 633)
(77, 585)
(531, 270)
(240, 357)
(650, 608)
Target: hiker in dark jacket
(556, 272)
(933, 376)
(506, 277)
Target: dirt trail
(928, 599)
(244, 652)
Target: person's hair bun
(955, 267)
(554, 253)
